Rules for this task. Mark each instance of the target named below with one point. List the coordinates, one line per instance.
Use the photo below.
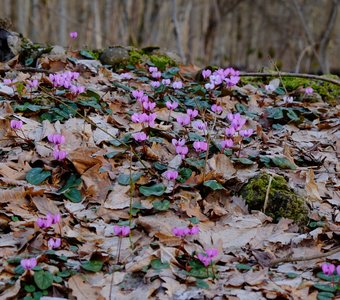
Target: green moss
(282, 201)
(160, 60)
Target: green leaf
(292, 275)
(213, 184)
(325, 277)
(283, 163)
(202, 284)
(158, 265)
(29, 288)
(199, 164)
(157, 189)
(194, 220)
(37, 175)
(92, 265)
(74, 195)
(124, 179)
(243, 267)
(72, 182)
(193, 136)
(184, 173)
(92, 94)
(325, 287)
(91, 103)
(161, 205)
(275, 113)
(86, 54)
(29, 106)
(57, 279)
(169, 73)
(64, 274)
(325, 296)
(292, 115)
(43, 279)
(160, 167)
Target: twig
(287, 74)
(303, 258)
(267, 194)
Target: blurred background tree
(298, 35)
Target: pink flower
(28, 263)
(170, 175)
(153, 69)
(74, 89)
(338, 270)
(149, 105)
(171, 105)
(211, 252)
(209, 86)
(156, 74)
(270, 88)
(194, 230)
(180, 142)
(137, 93)
(16, 124)
(56, 218)
(166, 81)
(73, 35)
(216, 79)
(200, 146)
(125, 76)
(227, 143)
(140, 136)
(206, 73)
(183, 120)
(236, 120)
(59, 154)
(205, 260)
(8, 81)
(192, 113)
(182, 150)
(216, 109)
(151, 119)
(180, 231)
(230, 131)
(199, 125)
(246, 132)
(121, 230)
(328, 269)
(54, 243)
(56, 139)
(309, 91)
(155, 84)
(32, 83)
(177, 85)
(288, 99)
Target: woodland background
(298, 35)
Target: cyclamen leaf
(161, 205)
(156, 190)
(74, 195)
(43, 279)
(124, 179)
(325, 287)
(213, 184)
(158, 265)
(92, 265)
(283, 162)
(37, 175)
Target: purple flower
(183, 120)
(121, 230)
(209, 86)
(309, 91)
(204, 259)
(246, 132)
(338, 270)
(270, 88)
(236, 120)
(216, 79)
(28, 263)
(73, 35)
(181, 231)
(76, 90)
(59, 154)
(200, 146)
(56, 218)
(137, 94)
(328, 269)
(287, 99)
(56, 139)
(171, 105)
(153, 69)
(199, 125)
(8, 81)
(194, 230)
(54, 243)
(32, 84)
(156, 74)
(140, 136)
(125, 75)
(227, 143)
(177, 84)
(206, 73)
(170, 175)
(211, 252)
(151, 119)
(149, 105)
(182, 150)
(180, 142)
(230, 131)
(155, 84)
(192, 113)
(166, 81)
(231, 76)
(16, 124)
(216, 108)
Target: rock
(114, 56)
(5, 52)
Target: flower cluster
(229, 76)
(49, 220)
(183, 231)
(57, 140)
(67, 80)
(206, 257)
(121, 231)
(28, 263)
(329, 269)
(181, 149)
(148, 106)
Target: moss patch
(282, 201)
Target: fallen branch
(285, 74)
(303, 258)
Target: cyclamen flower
(149, 105)
(16, 124)
(206, 73)
(246, 132)
(49, 220)
(180, 231)
(204, 259)
(54, 243)
(338, 270)
(151, 119)
(177, 84)
(270, 88)
(232, 77)
(73, 35)
(176, 143)
(227, 143)
(140, 136)
(170, 174)
(182, 150)
(28, 263)
(139, 118)
(200, 125)
(166, 81)
(153, 69)
(194, 230)
(237, 121)
(183, 120)
(309, 91)
(155, 84)
(209, 86)
(211, 252)
(216, 108)
(156, 74)
(287, 99)
(56, 139)
(328, 269)
(230, 131)
(125, 76)
(215, 79)
(121, 230)
(137, 94)
(32, 84)
(192, 113)
(171, 105)
(7, 81)
(59, 154)
(77, 89)
(200, 146)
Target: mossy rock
(115, 56)
(282, 201)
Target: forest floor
(198, 230)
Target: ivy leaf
(213, 184)
(161, 205)
(92, 265)
(37, 175)
(43, 279)
(156, 190)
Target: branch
(285, 74)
